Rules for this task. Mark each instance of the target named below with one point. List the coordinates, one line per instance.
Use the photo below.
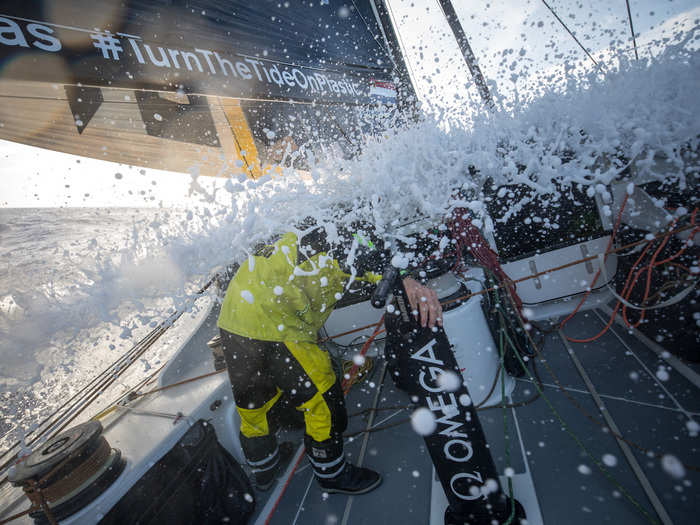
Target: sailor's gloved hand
(425, 301)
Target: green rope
(565, 426)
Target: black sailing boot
(263, 478)
(351, 480)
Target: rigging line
(404, 49)
(410, 406)
(624, 447)
(96, 394)
(378, 428)
(614, 398)
(373, 35)
(365, 440)
(279, 491)
(387, 418)
(653, 377)
(572, 35)
(573, 401)
(583, 447)
(345, 136)
(634, 40)
(97, 385)
(672, 360)
(70, 405)
(303, 499)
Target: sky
(76, 181)
(537, 40)
(513, 40)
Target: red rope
(595, 279)
(347, 382)
(653, 263)
(632, 276)
(467, 236)
(284, 488)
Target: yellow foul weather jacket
(276, 296)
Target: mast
(452, 19)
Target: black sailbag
(458, 448)
(197, 481)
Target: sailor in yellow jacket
(269, 321)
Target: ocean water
(47, 258)
(67, 308)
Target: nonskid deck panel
(648, 400)
(649, 412)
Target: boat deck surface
(568, 466)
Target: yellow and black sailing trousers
(265, 373)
